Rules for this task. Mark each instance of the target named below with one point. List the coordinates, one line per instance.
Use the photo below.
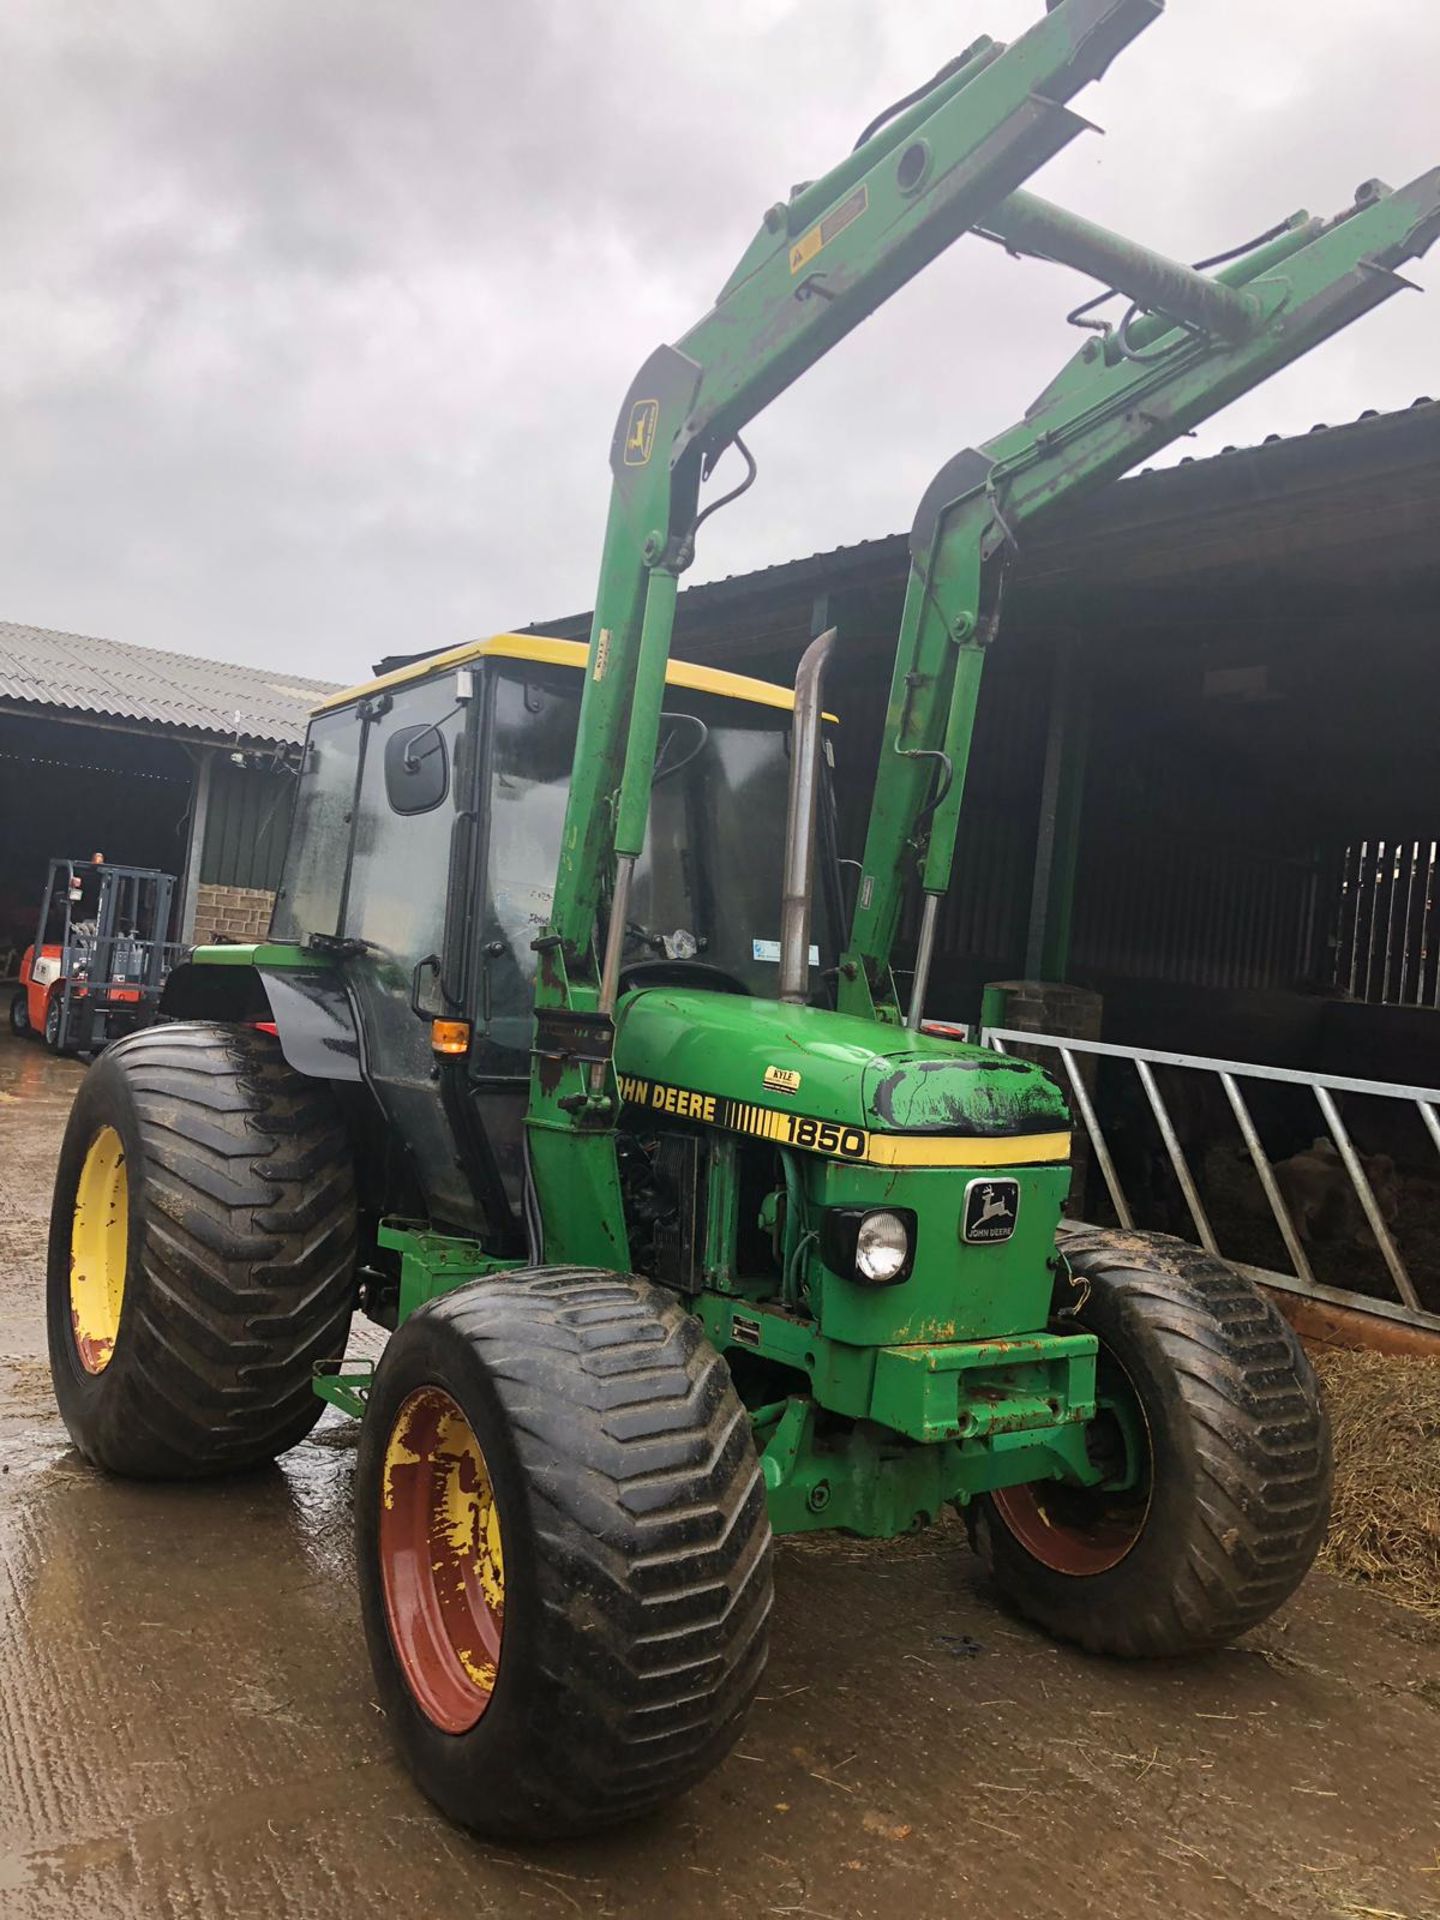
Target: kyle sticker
(991, 1207)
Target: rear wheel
(1207, 1394)
(202, 1253)
(20, 1014)
(564, 1551)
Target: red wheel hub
(1082, 1531)
(1070, 1529)
(442, 1561)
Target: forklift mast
(111, 947)
(949, 159)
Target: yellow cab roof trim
(542, 650)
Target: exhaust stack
(799, 884)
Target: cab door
(532, 718)
(392, 778)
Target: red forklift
(100, 955)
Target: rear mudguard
(308, 1007)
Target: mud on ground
(187, 1729)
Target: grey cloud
(315, 318)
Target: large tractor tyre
(564, 1551)
(1205, 1385)
(20, 1015)
(202, 1253)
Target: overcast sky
(315, 314)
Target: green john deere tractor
(566, 1063)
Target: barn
(154, 759)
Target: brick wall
(239, 913)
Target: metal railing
(1325, 1087)
(1388, 948)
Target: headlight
(877, 1247)
(882, 1248)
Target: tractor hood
(831, 1066)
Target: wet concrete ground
(187, 1728)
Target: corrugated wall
(246, 825)
(987, 910)
(1190, 871)
(1156, 904)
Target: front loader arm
(1118, 400)
(820, 264)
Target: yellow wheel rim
(442, 1563)
(99, 1232)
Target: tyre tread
(1259, 1439)
(648, 1509)
(248, 1247)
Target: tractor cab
(426, 838)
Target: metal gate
(1388, 934)
(1233, 1078)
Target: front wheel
(53, 1024)
(564, 1551)
(1206, 1392)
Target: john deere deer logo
(991, 1207)
(640, 433)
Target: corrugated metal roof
(1114, 503)
(116, 681)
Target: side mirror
(419, 1006)
(417, 769)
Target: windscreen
(706, 893)
(317, 855)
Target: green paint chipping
(966, 1091)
